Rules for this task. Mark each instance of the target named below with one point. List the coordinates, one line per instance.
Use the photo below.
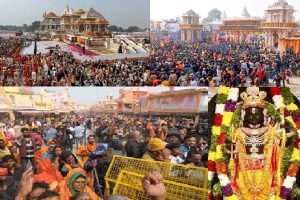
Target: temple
(190, 27)
(85, 27)
(276, 30)
(240, 29)
(279, 23)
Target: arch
(81, 28)
(275, 39)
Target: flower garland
(225, 115)
(291, 116)
(226, 104)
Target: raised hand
(153, 184)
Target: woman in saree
(74, 183)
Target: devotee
(85, 150)
(82, 196)
(172, 136)
(50, 152)
(9, 163)
(49, 195)
(78, 134)
(62, 139)
(193, 158)
(175, 153)
(68, 162)
(137, 134)
(49, 133)
(189, 142)
(211, 64)
(48, 172)
(157, 151)
(133, 146)
(4, 150)
(27, 145)
(74, 183)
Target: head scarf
(73, 176)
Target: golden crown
(254, 98)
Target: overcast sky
(166, 9)
(122, 13)
(90, 95)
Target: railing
(281, 24)
(129, 184)
(179, 179)
(96, 34)
(239, 28)
(243, 23)
(103, 22)
(50, 23)
(190, 25)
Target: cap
(173, 132)
(156, 144)
(25, 127)
(34, 127)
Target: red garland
(218, 119)
(297, 143)
(221, 139)
(273, 159)
(297, 122)
(211, 165)
(275, 91)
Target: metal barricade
(188, 182)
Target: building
(109, 105)
(24, 100)
(292, 42)
(240, 29)
(190, 27)
(132, 101)
(88, 28)
(189, 102)
(166, 30)
(279, 23)
(51, 22)
(89, 22)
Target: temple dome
(93, 13)
(190, 13)
(51, 14)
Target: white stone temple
(279, 23)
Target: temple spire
(245, 13)
(223, 16)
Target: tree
(120, 29)
(133, 29)
(24, 27)
(35, 25)
(113, 28)
(213, 15)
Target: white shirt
(78, 131)
(176, 159)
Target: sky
(166, 9)
(91, 95)
(122, 13)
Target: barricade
(184, 181)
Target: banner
(186, 103)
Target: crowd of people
(45, 157)
(60, 68)
(171, 64)
(8, 45)
(223, 63)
